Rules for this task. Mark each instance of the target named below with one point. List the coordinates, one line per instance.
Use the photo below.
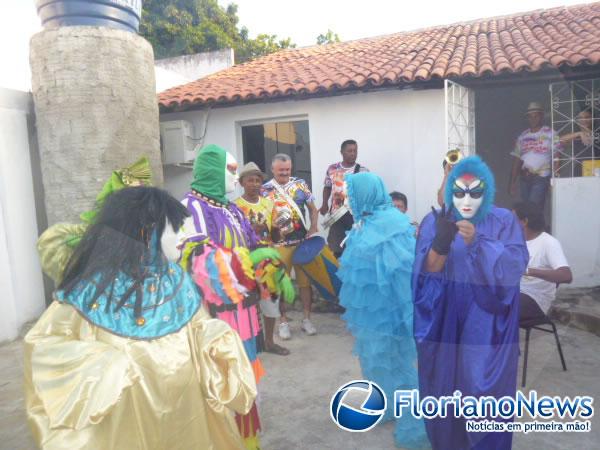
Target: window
(576, 118)
(262, 142)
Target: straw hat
(251, 169)
(534, 107)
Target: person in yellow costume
(56, 244)
(126, 357)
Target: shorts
(270, 308)
(286, 254)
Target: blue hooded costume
(467, 315)
(375, 270)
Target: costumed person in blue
(126, 356)
(469, 259)
(375, 270)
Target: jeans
(534, 189)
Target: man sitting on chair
(547, 266)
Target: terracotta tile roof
(542, 39)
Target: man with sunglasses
(469, 260)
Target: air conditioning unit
(176, 142)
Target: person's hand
(467, 230)
(313, 230)
(445, 230)
(324, 209)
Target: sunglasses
(474, 194)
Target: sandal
(277, 350)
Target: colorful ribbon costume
(220, 247)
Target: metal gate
(460, 117)
(574, 115)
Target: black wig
(125, 240)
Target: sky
(302, 21)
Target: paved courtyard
(295, 394)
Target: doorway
(263, 141)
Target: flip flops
(277, 350)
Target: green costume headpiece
(209, 173)
(138, 173)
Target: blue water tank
(120, 14)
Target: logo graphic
(358, 405)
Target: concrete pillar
(96, 110)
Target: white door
(576, 180)
(460, 117)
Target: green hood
(209, 173)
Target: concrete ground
(295, 394)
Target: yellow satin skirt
(87, 388)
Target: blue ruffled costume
(375, 271)
(467, 315)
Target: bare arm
(314, 217)
(435, 262)
(560, 275)
(569, 137)
(325, 205)
(442, 190)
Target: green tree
(328, 38)
(180, 27)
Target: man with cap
(533, 157)
(259, 211)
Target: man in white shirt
(532, 154)
(547, 266)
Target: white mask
(170, 241)
(462, 196)
(231, 177)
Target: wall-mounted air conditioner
(177, 142)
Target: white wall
(400, 136)
(21, 284)
(192, 67)
(576, 224)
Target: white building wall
(400, 136)
(21, 284)
(576, 224)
